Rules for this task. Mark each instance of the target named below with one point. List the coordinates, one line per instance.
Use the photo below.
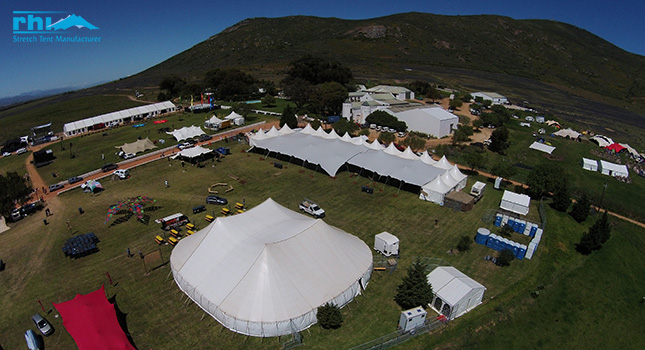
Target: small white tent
(434, 191)
(542, 147)
(454, 293)
(187, 132)
(613, 169)
(589, 164)
(515, 202)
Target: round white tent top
(266, 271)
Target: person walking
(128, 251)
(166, 183)
(140, 253)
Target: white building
(494, 97)
(399, 92)
(434, 120)
(363, 102)
(454, 293)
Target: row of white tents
(214, 123)
(114, 118)
(605, 167)
(331, 152)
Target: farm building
(115, 118)
(515, 202)
(454, 293)
(589, 164)
(494, 97)
(265, 272)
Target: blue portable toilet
(516, 249)
(523, 227)
(492, 238)
(522, 252)
(482, 235)
(511, 222)
(498, 220)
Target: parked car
(108, 167)
(6, 154)
(15, 215)
(185, 145)
(21, 150)
(29, 208)
(205, 137)
(122, 173)
(55, 187)
(42, 324)
(74, 179)
(128, 155)
(216, 200)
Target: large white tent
(515, 202)
(266, 271)
(194, 152)
(454, 293)
(187, 132)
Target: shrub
(329, 316)
(464, 243)
(505, 257)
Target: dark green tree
(329, 98)
(503, 169)
(172, 85)
(597, 235)
(345, 126)
(414, 142)
(456, 103)
(506, 231)
(329, 316)
(386, 137)
(464, 243)
(365, 132)
(268, 101)
(603, 227)
(414, 290)
(580, 210)
(561, 199)
(318, 70)
(545, 179)
(298, 90)
(289, 117)
(499, 140)
(474, 160)
(13, 189)
(386, 119)
(462, 134)
(505, 257)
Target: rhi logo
(35, 22)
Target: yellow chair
(240, 211)
(239, 205)
(189, 232)
(209, 218)
(226, 211)
(190, 226)
(159, 240)
(173, 240)
(175, 233)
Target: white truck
(477, 190)
(311, 208)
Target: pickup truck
(311, 208)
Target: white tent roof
(118, 115)
(3, 224)
(425, 157)
(542, 147)
(233, 115)
(613, 169)
(308, 130)
(346, 137)
(137, 146)
(285, 129)
(590, 164)
(456, 174)
(443, 163)
(392, 150)
(437, 185)
(568, 132)
(214, 120)
(408, 154)
(515, 202)
(187, 132)
(451, 284)
(603, 141)
(265, 272)
(273, 132)
(194, 152)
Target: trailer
(386, 244)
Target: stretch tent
(137, 146)
(454, 293)
(187, 132)
(266, 271)
(91, 320)
(515, 202)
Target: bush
(505, 257)
(464, 243)
(506, 231)
(414, 290)
(329, 316)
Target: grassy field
(158, 316)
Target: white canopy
(233, 116)
(443, 163)
(568, 132)
(194, 152)
(285, 129)
(515, 202)
(454, 293)
(589, 164)
(266, 271)
(425, 157)
(434, 191)
(613, 169)
(456, 174)
(137, 146)
(187, 132)
(542, 147)
(603, 141)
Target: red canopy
(92, 322)
(615, 147)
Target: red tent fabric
(92, 322)
(615, 147)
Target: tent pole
(401, 184)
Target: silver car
(42, 324)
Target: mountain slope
(548, 51)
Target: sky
(135, 35)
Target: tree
(13, 189)
(503, 169)
(318, 70)
(386, 137)
(464, 243)
(505, 257)
(172, 85)
(298, 90)
(386, 119)
(365, 132)
(329, 98)
(414, 290)
(561, 199)
(462, 134)
(268, 101)
(545, 179)
(499, 140)
(506, 231)
(474, 160)
(345, 126)
(456, 103)
(329, 316)
(289, 117)
(604, 228)
(580, 210)
(414, 142)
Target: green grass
(159, 318)
(14, 163)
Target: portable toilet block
(522, 252)
(386, 244)
(492, 240)
(498, 220)
(411, 319)
(482, 235)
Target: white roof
(285, 129)
(425, 157)
(116, 116)
(542, 147)
(590, 162)
(214, 120)
(388, 237)
(233, 116)
(515, 202)
(187, 132)
(452, 285)
(616, 169)
(137, 146)
(408, 154)
(603, 141)
(194, 152)
(568, 132)
(266, 271)
(443, 163)
(425, 119)
(437, 185)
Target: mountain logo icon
(72, 21)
